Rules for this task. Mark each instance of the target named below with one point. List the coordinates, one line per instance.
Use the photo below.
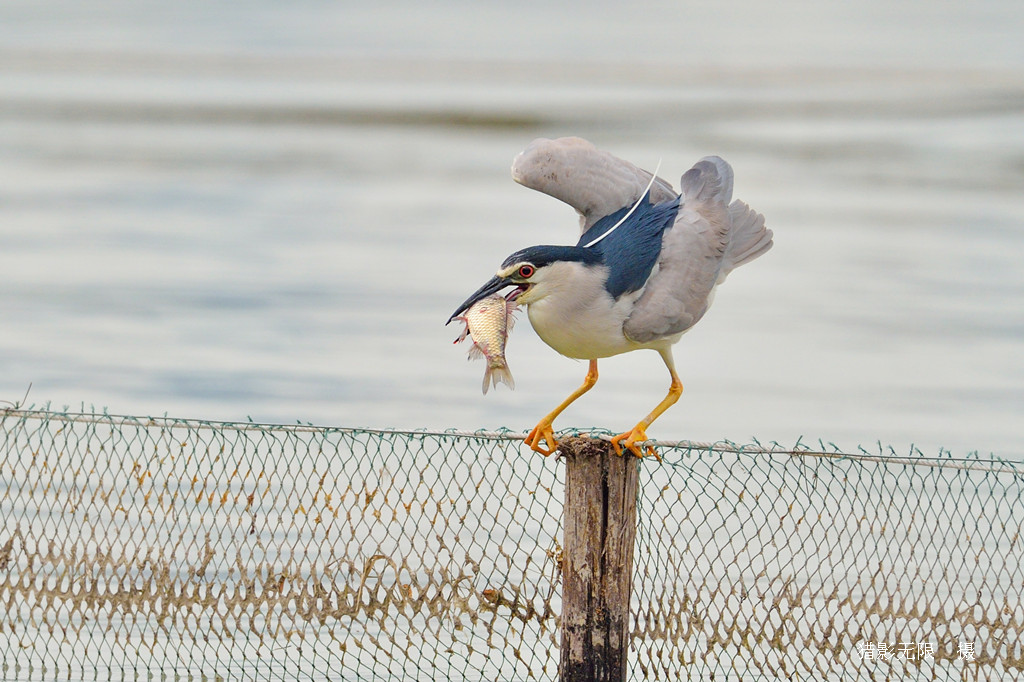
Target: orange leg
(543, 431)
(639, 433)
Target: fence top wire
(682, 448)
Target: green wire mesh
(141, 548)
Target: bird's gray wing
(592, 181)
(692, 255)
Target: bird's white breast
(574, 314)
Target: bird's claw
(542, 431)
(638, 434)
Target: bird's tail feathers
(748, 238)
(708, 180)
(498, 374)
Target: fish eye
(526, 271)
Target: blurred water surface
(269, 211)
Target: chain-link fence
(139, 548)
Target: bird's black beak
(494, 285)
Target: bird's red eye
(526, 271)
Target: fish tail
(496, 374)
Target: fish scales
(488, 323)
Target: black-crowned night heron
(643, 272)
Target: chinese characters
(911, 651)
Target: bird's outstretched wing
(592, 181)
(709, 238)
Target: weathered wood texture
(597, 563)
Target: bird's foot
(638, 434)
(542, 433)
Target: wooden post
(597, 563)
